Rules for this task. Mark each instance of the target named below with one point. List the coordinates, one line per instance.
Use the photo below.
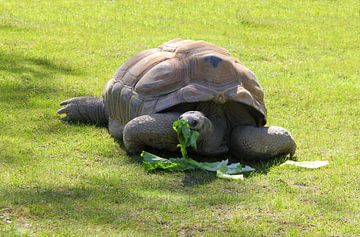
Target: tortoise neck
(219, 133)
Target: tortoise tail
(84, 109)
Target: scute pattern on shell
(176, 72)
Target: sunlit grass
(61, 179)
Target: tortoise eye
(193, 123)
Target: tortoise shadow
(264, 166)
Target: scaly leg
(153, 130)
(249, 142)
(84, 109)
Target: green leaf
(184, 164)
(307, 164)
(223, 170)
(222, 175)
(188, 138)
(152, 159)
(193, 139)
(185, 130)
(237, 168)
(153, 162)
(212, 166)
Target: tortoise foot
(249, 142)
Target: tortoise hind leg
(86, 109)
(249, 142)
(153, 130)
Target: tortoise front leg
(116, 129)
(249, 142)
(153, 130)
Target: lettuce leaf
(222, 175)
(188, 138)
(223, 170)
(153, 162)
(307, 164)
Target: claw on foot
(85, 109)
(62, 110)
(70, 108)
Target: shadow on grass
(263, 167)
(117, 200)
(37, 67)
(71, 204)
(35, 77)
(121, 204)
(198, 177)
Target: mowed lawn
(75, 180)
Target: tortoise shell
(181, 71)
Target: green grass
(61, 179)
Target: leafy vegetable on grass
(188, 138)
(307, 164)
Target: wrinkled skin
(217, 135)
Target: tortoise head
(212, 131)
(196, 120)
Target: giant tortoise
(191, 80)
